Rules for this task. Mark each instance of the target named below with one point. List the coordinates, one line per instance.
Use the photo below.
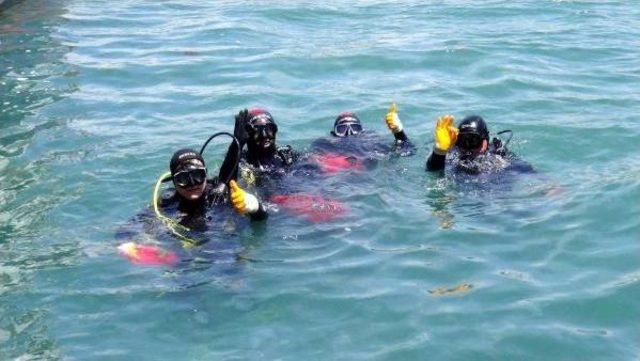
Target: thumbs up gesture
(242, 201)
(393, 121)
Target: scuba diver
(195, 212)
(195, 201)
(347, 125)
(257, 129)
(470, 148)
(194, 193)
(352, 147)
(478, 165)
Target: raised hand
(445, 134)
(393, 121)
(240, 129)
(242, 201)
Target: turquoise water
(96, 95)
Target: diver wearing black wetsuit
(470, 150)
(190, 202)
(257, 130)
(348, 126)
(351, 146)
(194, 194)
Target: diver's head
(346, 124)
(262, 130)
(473, 136)
(188, 173)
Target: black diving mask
(346, 128)
(262, 126)
(190, 177)
(267, 130)
(469, 141)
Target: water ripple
(94, 97)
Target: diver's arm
(445, 136)
(401, 136)
(403, 144)
(259, 215)
(229, 168)
(436, 161)
(394, 124)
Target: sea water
(96, 95)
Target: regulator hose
(173, 226)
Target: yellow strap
(170, 223)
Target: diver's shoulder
(515, 163)
(287, 154)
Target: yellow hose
(170, 223)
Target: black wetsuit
(211, 209)
(359, 151)
(495, 159)
(259, 169)
(192, 213)
(197, 215)
(277, 162)
(363, 144)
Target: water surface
(96, 95)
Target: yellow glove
(445, 134)
(242, 201)
(393, 121)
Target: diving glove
(393, 121)
(242, 201)
(445, 134)
(240, 128)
